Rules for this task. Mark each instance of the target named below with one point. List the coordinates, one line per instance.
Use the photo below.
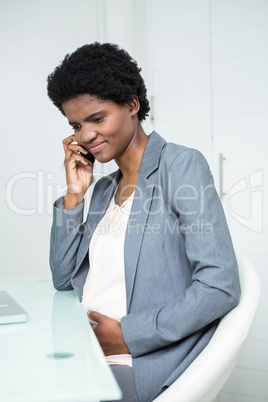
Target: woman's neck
(129, 165)
(129, 162)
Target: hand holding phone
(79, 171)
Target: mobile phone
(89, 156)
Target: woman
(153, 265)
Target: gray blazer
(180, 266)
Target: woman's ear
(134, 106)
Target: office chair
(204, 378)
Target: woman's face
(104, 128)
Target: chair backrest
(205, 377)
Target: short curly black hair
(103, 70)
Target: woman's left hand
(109, 334)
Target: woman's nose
(85, 136)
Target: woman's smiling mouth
(97, 147)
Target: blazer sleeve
(215, 288)
(65, 238)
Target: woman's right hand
(79, 173)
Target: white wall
(209, 68)
(180, 61)
(34, 36)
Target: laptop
(10, 311)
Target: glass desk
(54, 356)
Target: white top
(105, 287)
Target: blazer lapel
(140, 209)
(135, 231)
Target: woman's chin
(103, 158)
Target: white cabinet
(209, 69)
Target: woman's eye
(75, 128)
(98, 119)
